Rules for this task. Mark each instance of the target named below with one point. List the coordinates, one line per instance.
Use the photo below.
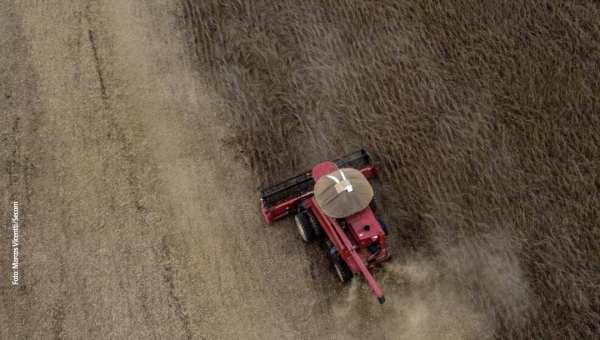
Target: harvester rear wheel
(343, 271)
(304, 227)
(314, 221)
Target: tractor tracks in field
(98, 66)
(169, 278)
(133, 165)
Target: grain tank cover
(343, 193)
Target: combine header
(334, 202)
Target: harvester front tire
(314, 221)
(304, 228)
(343, 271)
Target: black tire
(305, 229)
(374, 205)
(383, 226)
(314, 221)
(343, 271)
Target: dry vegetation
(484, 116)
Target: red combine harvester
(334, 202)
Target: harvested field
(485, 118)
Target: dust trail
(488, 269)
(420, 305)
(462, 289)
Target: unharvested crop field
(484, 116)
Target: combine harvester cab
(334, 202)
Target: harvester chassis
(356, 243)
